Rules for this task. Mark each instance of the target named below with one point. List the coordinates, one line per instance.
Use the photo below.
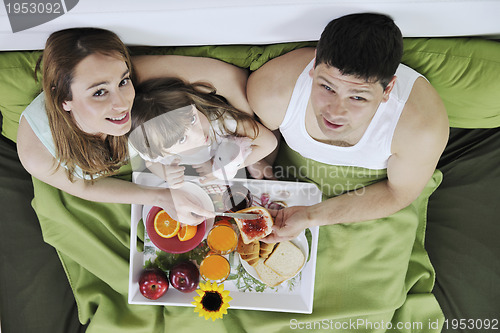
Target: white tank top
(373, 149)
(36, 115)
(37, 118)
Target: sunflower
(212, 301)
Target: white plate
(195, 191)
(300, 242)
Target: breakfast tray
(294, 295)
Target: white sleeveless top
(36, 115)
(374, 148)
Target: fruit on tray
(165, 226)
(153, 283)
(187, 232)
(254, 230)
(185, 276)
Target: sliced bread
(286, 259)
(267, 275)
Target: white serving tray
(295, 295)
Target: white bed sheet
(217, 22)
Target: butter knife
(243, 216)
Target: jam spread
(253, 228)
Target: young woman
(175, 123)
(72, 136)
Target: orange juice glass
(222, 239)
(215, 267)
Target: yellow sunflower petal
(208, 287)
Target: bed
(48, 285)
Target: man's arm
(270, 88)
(419, 140)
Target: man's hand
(288, 224)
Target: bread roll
(266, 249)
(250, 248)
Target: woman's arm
(229, 80)
(238, 152)
(263, 145)
(38, 161)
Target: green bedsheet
(375, 271)
(463, 229)
(35, 295)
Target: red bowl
(172, 245)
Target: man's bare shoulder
(270, 88)
(424, 120)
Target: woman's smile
(123, 119)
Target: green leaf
(309, 242)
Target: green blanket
(371, 274)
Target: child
(175, 123)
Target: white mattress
(216, 22)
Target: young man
(351, 103)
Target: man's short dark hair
(368, 46)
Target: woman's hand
(181, 207)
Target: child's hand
(173, 174)
(205, 171)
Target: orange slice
(166, 226)
(187, 232)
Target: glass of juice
(215, 267)
(222, 239)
